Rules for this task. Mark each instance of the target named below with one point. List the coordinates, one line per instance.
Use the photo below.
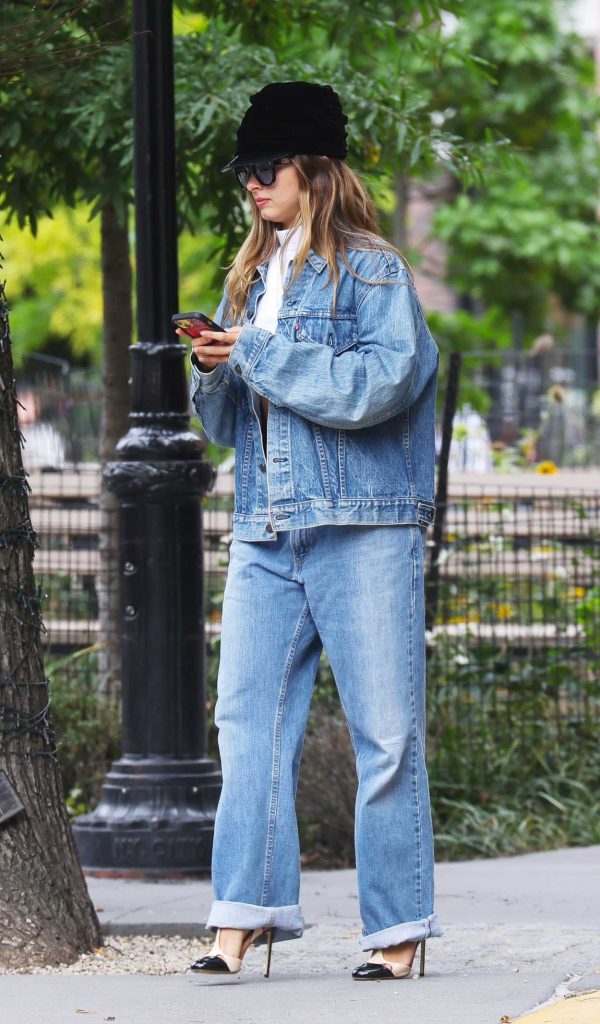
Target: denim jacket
(351, 424)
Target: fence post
(441, 497)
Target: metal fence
(542, 404)
(514, 650)
(546, 398)
(513, 646)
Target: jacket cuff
(206, 382)
(247, 349)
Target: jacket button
(269, 528)
(262, 468)
(237, 368)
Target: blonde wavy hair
(337, 213)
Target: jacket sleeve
(214, 396)
(365, 383)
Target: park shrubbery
(87, 722)
(512, 747)
(512, 752)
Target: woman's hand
(212, 347)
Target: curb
(581, 1009)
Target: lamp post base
(155, 819)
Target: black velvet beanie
(286, 118)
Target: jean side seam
(415, 779)
(277, 755)
(294, 538)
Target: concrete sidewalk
(518, 932)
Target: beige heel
(377, 968)
(255, 934)
(219, 962)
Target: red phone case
(194, 323)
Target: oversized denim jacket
(351, 425)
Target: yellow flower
(579, 591)
(546, 467)
(504, 611)
(372, 153)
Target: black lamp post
(156, 811)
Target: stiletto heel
(269, 948)
(219, 962)
(380, 969)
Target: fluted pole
(156, 812)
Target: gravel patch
(133, 954)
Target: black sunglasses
(265, 171)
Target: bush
(87, 723)
(327, 792)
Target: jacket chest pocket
(338, 333)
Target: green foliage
(510, 246)
(512, 754)
(87, 723)
(420, 98)
(56, 286)
(471, 335)
(392, 117)
(61, 128)
(344, 24)
(550, 816)
(74, 142)
(530, 229)
(67, 139)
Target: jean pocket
(338, 334)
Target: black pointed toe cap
(372, 972)
(210, 965)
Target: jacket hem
(348, 512)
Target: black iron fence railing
(513, 643)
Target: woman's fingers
(195, 339)
(212, 347)
(212, 350)
(207, 337)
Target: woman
(324, 383)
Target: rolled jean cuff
(409, 931)
(286, 922)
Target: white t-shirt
(269, 304)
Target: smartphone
(193, 323)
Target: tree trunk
(118, 318)
(46, 915)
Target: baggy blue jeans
(359, 592)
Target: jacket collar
(317, 262)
